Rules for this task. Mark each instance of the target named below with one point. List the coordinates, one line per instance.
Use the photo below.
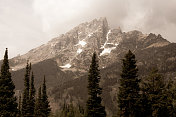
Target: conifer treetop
(8, 105)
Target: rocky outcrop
(73, 50)
(65, 60)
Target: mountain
(65, 61)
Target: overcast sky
(25, 24)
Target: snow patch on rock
(79, 51)
(66, 66)
(107, 51)
(111, 43)
(90, 34)
(116, 44)
(107, 38)
(82, 43)
(13, 69)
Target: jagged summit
(65, 60)
(73, 41)
(74, 48)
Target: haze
(26, 24)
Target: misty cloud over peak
(28, 24)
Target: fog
(25, 24)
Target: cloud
(145, 15)
(154, 16)
(25, 24)
(60, 15)
(20, 28)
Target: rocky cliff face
(65, 61)
(73, 50)
(68, 47)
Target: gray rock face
(73, 50)
(65, 60)
(69, 47)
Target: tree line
(29, 104)
(151, 96)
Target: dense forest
(151, 96)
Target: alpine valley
(65, 61)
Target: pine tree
(68, 110)
(64, 110)
(38, 105)
(8, 105)
(81, 110)
(19, 106)
(94, 107)
(46, 107)
(170, 94)
(32, 95)
(145, 104)
(26, 101)
(173, 94)
(128, 96)
(158, 94)
(71, 111)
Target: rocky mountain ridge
(65, 61)
(73, 49)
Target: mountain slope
(162, 57)
(65, 61)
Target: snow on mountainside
(65, 61)
(73, 43)
(74, 49)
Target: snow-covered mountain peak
(75, 48)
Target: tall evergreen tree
(38, 105)
(170, 97)
(159, 95)
(94, 107)
(19, 106)
(32, 95)
(46, 107)
(129, 96)
(68, 110)
(26, 101)
(145, 104)
(81, 110)
(8, 105)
